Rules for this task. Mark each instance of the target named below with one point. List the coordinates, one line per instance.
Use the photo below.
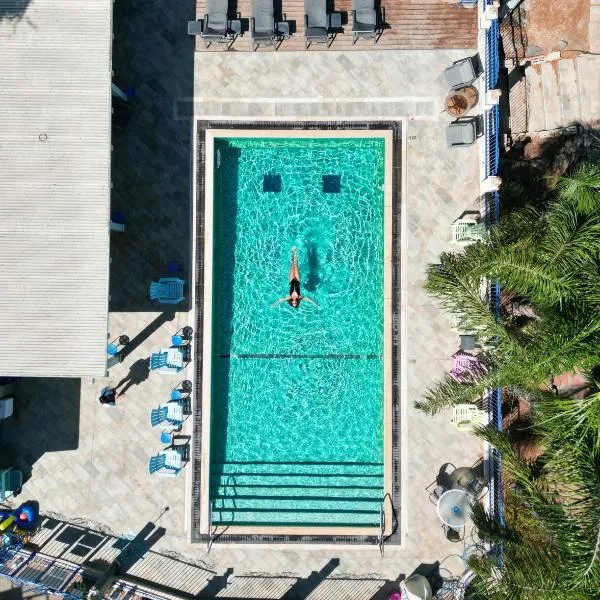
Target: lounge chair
(262, 24)
(167, 462)
(466, 367)
(365, 20)
(317, 22)
(168, 290)
(167, 360)
(11, 481)
(461, 133)
(215, 27)
(467, 231)
(467, 416)
(463, 72)
(442, 483)
(168, 416)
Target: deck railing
(492, 56)
(45, 575)
(491, 126)
(491, 130)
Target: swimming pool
(295, 405)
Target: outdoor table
(235, 26)
(283, 29)
(454, 508)
(459, 102)
(334, 21)
(465, 479)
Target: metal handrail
(381, 538)
(210, 532)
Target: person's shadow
(138, 372)
(313, 280)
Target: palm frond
(448, 392)
(572, 242)
(452, 283)
(524, 273)
(581, 188)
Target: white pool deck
(101, 477)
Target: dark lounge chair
(366, 21)
(262, 24)
(316, 22)
(462, 72)
(461, 133)
(216, 26)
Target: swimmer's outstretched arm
(284, 299)
(310, 300)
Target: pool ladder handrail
(210, 533)
(381, 536)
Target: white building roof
(55, 135)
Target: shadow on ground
(12, 594)
(533, 162)
(153, 60)
(13, 10)
(46, 419)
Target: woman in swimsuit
(294, 296)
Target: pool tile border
(325, 535)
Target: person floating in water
(295, 296)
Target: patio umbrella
(416, 587)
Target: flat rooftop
(55, 150)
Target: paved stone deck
(88, 462)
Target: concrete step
(551, 89)
(517, 98)
(298, 518)
(594, 26)
(569, 92)
(588, 67)
(535, 98)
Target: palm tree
(551, 544)
(546, 261)
(549, 262)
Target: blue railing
(492, 56)
(491, 127)
(492, 141)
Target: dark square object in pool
(332, 184)
(272, 183)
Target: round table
(454, 508)
(416, 587)
(460, 478)
(459, 102)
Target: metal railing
(492, 140)
(492, 56)
(381, 536)
(45, 575)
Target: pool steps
(303, 494)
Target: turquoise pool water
(297, 394)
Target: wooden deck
(410, 25)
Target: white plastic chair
(467, 416)
(467, 231)
(11, 481)
(166, 462)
